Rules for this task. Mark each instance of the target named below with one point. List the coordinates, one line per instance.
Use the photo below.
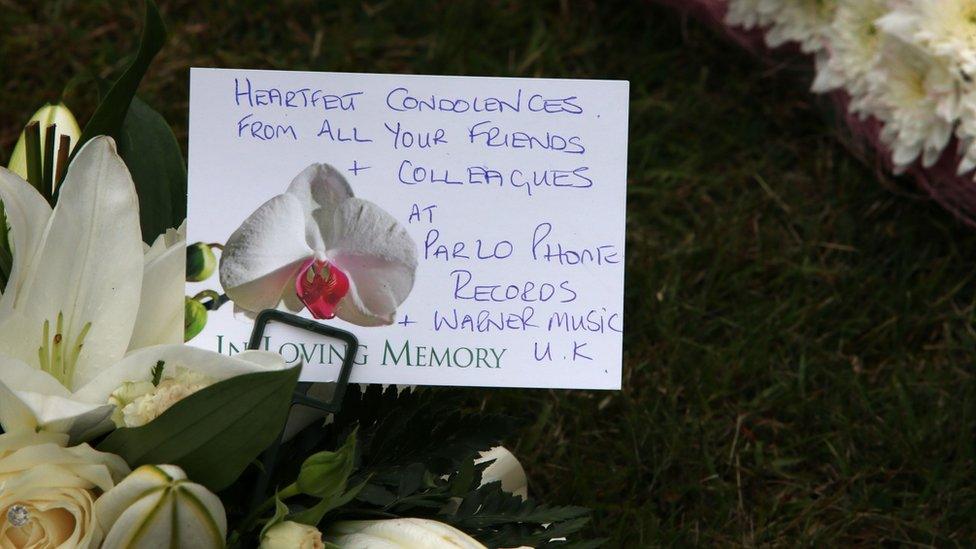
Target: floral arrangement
(902, 69)
(117, 434)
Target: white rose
(292, 535)
(156, 506)
(48, 491)
(402, 533)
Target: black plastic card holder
(301, 397)
(270, 456)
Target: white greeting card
(469, 231)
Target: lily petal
(160, 317)
(320, 189)
(380, 258)
(265, 253)
(32, 400)
(27, 213)
(138, 365)
(89, 265)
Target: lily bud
(60, 116)
(156, 506)
(200, 262)
(194, 318)
(292, 535)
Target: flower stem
(285, 493)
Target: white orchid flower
(317, 246)
(83, 293)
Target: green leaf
(214, 433)
(154, 159)
(281, 510)
(111, 112)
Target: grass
(799, 335)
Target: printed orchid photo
(318, 247)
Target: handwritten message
(513, 191)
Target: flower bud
(194, 318)
(292, 535)
(60, 116)
(156, 506)
(324, 474)
(200, 262)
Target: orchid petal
(378, 256)
(27, 213)
(160, 317)
(89, 265)
(138, 366)
(320, 189)
(265, 253)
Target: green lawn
(799, 334)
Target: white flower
(139, 402)
(48, 491)
(966, 132)
(941, 28)
(85, 299)
(854, 47)
(156, 506)
(65, 123)
(915, 97)
(318, 246)
(505, 467)
(403, 533)
(801, 21)
(31, 399)
(746, 14)
(292, 535)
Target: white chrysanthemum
(137, 403)
(802, 21)
(909, 92)
(855, 44)
(966, 132)
(943, 28)
(746, 14)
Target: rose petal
(380, 258)
(264, 254)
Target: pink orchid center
(320, 285)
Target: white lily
(318, 246)
(82, 293)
